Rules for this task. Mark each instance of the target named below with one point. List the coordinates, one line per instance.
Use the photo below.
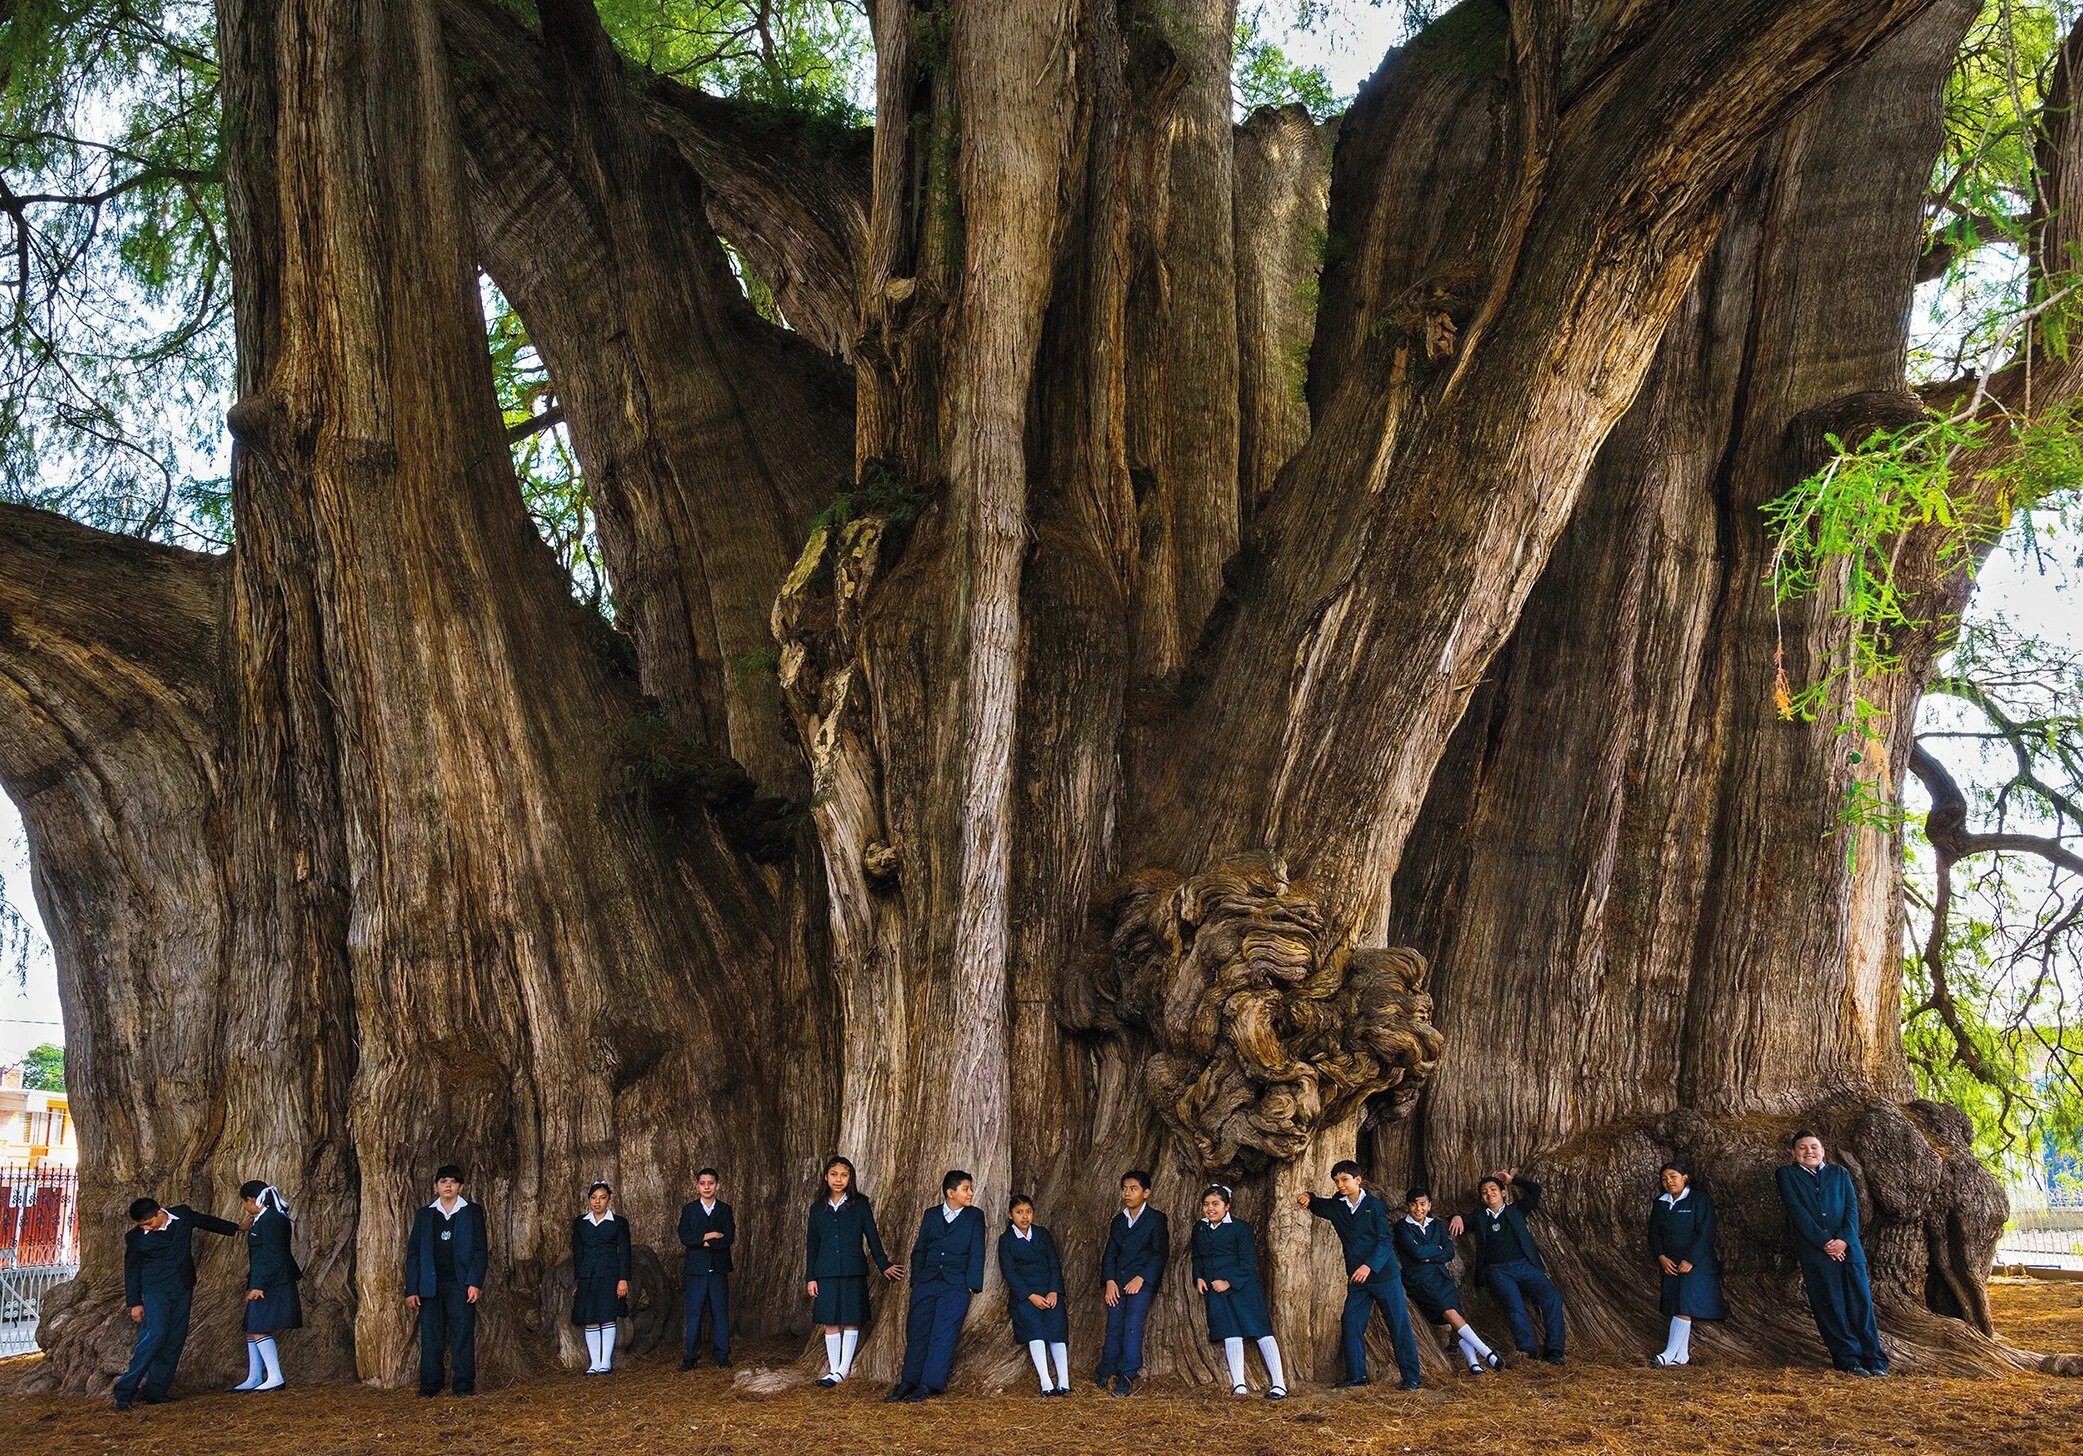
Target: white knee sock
(272, 1360)
(1233, 1351)
(849, 1341)
(253, 1367)
(593, 1348)
(1269, 1351)
(1472, 1346)
(832, 1362)
(607, 1347)
(1038, 1351)
(1678, 1348)
(1062, 1354)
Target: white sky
(1348, 45)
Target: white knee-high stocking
(271, 1360)
(1062, 1354)
(1269, 1351)
(1233, 1351)
(1038, 1352)
(607, 1347)
(253, 1367)
(849, 1341)
(833, 1364)
(593, 1349)
(1678, 1347)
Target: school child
(836, 1270)
(1139, 1245)
(947, 1269)
(1373, 1279)
(1511, 1262)
(600, 1275)
(1681, 1236)
(158, 1285)
(272, 1305)
(1822, 1210)
(1225, 1271)
(1426, 1250)
(444, 1276)
(1034, 1293)
(707, 1231)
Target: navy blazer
(269, 1263)
(1821, 1206)
(1515, 1234)
(703, 1258)
(1137, 1252)
(1030, 1265)
(600, 1250)
(1363, 1233)
(833, 1240)
(1431, 1244)
(1683, 1232)
(949, 1251)
(466, 1231)
(161, 1262)
(1225, 1251)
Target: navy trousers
(709, 1292)
(1123, 1353)
(160, 1335)
(1361, 1300)
(1842, 1301)
(930, 1330)
(1514, 1281)
(447, 1324)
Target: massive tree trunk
(1120, 678)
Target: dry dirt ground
(1529, 1409)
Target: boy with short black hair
(1139, 1244)
(707, 1231)
(158, 1286)
(444, 1275)
(1373, 1278)
(947, 1269)
(1511, 1262)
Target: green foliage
(43, 1068)
(810, 59)
(1262, 74)
(881, 491)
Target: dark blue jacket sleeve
(727, 1225)
(689, 1239)
(1381, 1252)
(976, 1251)
(918, 1240)
(1055, 1263)
(133, 1271)
(874, 1236)
(1799, 1215)
(472, 1270)
(621, 1247)
(1110, 1257)
(810, 1245)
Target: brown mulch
(1585, 1407)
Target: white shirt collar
(171, 1219)
(608, 1217)
(1683, 1193)
(836, 1203)
(1026, 1233)
(1353, 1203)
(1421, 1224)
(461, 1204)
(1132, 1217)
(948, 1211)
(708, 1205)
(1219, 1222)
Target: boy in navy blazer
(158, 1283)
(444, 1275)
(1822, 1211)
(947, 1268)
(1373, 1277)
(1139, 1245)
(1511, 1262)
(707, 1231)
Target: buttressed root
(1264, 1031)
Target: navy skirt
(1029, 1323)
(842, 1299)
(594, 1302)
(276, 1310)
(1238, 1313)
(1431, 1288)
(1696, 1296)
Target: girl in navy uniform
(835, 1271)
(1426, 1250)
(600, 1273)
(272, 1305)
(1225, 1271)
(1681, 1236)
(1034, 1293)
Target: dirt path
(1582, 1408)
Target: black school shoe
(900, 1391)
(920, 1395)
(1552, 1357)
(1103, 1378)
(122, 1402)
(1350, 1384)
(1123, 1385)
(1411, 1385)
(690, 1364)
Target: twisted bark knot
(1265, 1028)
